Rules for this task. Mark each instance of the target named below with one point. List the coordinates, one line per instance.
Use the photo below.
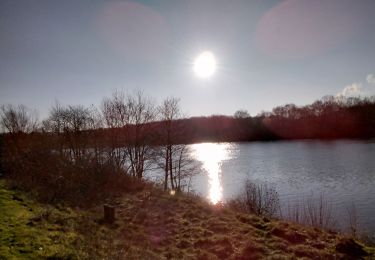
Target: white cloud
(359, 89)
(352, 90)
(371, 78)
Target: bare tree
(17, 119)
(18, 144)
(141, 112)
(184, 167)
(242, 113)
(73, 126)
(55, 124)
(174, 157)
(115, 115)
(169, 111)
(18, 122)
(128, 118)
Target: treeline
(328, 118)
(80, 154)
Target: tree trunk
(170, 166)
(166, 171)
(109, 214)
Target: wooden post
(109, 214)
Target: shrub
(259, 199)
(311, 211)
(55, 178)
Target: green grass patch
(28, 230)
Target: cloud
(371, 78)
(359, 89)
(352, 90)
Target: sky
(268, 53)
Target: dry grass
(152, 224)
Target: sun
(204, 64)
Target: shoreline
(153, 224)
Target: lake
(341, 171)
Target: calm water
(343, 171)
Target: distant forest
(328, 118)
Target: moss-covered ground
(151, 224)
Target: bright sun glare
(205, 64)
(212, 155)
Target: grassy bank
(151, 224)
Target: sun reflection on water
(211, 155)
